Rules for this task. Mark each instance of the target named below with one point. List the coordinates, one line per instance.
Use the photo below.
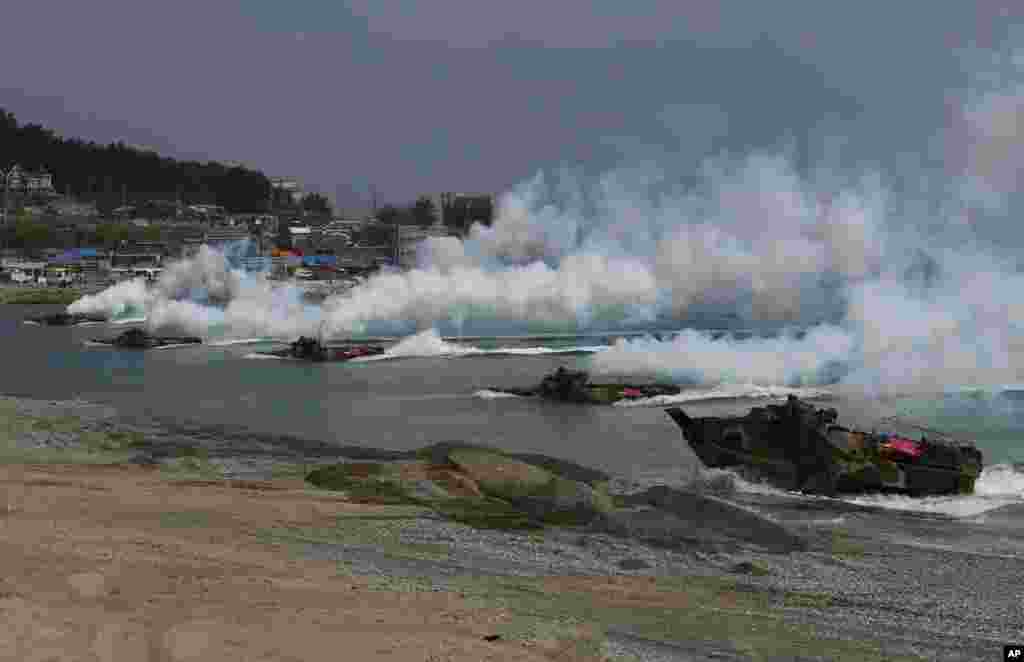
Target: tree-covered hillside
(107, 174)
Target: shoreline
(850, 592)
(13, 294)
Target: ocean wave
(93, 343)
(430, 344)
(236, 341)
(997, 486)
(128, 320)
(487, 394)
(258, 355)
(728, 392)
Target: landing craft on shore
(311, 349)
(798, 447)
(574, 386)
(66, 319)
(141, 339)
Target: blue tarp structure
(319, 260)
(74, 255)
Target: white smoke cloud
(914, 304)
(115, 300)
(205, 275)
(695, 357)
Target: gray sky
(424, 96)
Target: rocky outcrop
(535, 491)
(485, 487)
(669, 517)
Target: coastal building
(20, 180)
(363, 258)
(285, 191)
(67, 207)
(302, 237)
(221, 237)
(343, 230)
(22, 271)
(206, 212)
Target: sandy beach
(128, 543)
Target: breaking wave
(997, 486)
(487, 394)
(749, 392)
(236, 341)
(430, 343)
(729, 392)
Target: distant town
(100, 231)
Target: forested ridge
(115, 173)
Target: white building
(286, 187)
(19, 179)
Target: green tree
(389, 214)
(109, 234)
(31, 234)
(375, 234)
(424, 212)
(152, 233)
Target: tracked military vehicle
(65, 319)
(796, 446)
(311, 349)
(141, 339)
(575, 386)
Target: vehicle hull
(327, 354)
(792, 454)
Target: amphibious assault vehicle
(65, 319)
(311, 349)
(795, 446)
(141, 339)
(574, 386)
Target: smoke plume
(893, 293)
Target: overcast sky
(473, 95)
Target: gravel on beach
(919, 595)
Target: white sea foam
(997, 486)
(727, 392)
(429, 344)
(487, 394)
(236, 341)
